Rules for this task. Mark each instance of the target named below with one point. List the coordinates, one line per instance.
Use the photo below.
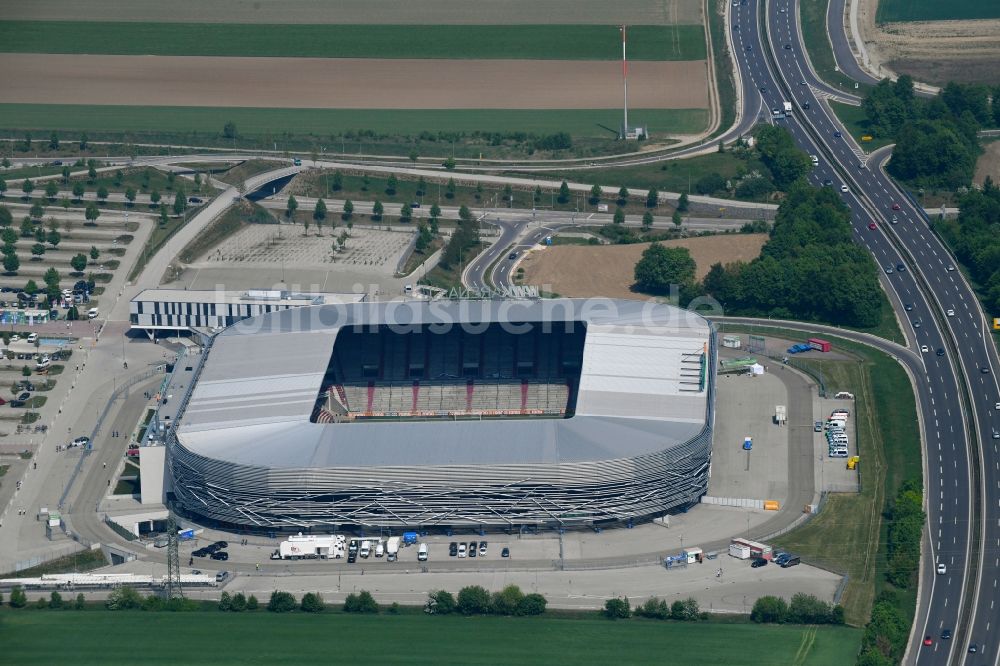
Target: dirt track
(348, 83)
(400, 12)
(608, 270)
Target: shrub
(653, 608)
(507, 600)
(225, 602)
(769, 609)
(124, 598)
(41, 603)
(532, 604)
(362, 602)
(281, 602)
(440, 603)
(312, 602)
(238, 603)
(808, 609)
(55, 600)
(473, 600)
(153, 603)
(252, 603)
(686, 610)
(80, 602)
(617, 608)
(394, 608)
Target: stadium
(500, 414)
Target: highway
(939, 311)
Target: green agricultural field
(934, 10)
(531, 42)
(210, 637)
(325, 122)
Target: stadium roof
(639, 392)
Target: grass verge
(856, 123)
(155, 121)
(84, 560)
(491, 42)
(849, 535)
(262, 638)
(723, 66)
(814, 34)
(451, 278)
(417, 257)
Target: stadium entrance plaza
(578, 569)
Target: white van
(379, 549)
(32, 337)
(422, 553)
(92, 313)
(366, 549)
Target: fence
(38, 560)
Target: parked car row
(216, 551)
(836, 434)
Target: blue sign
(185, 534)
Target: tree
(180, 202)
(130, 196)
(197, 181)
(622, 195)
(682, 202)
(595, 194)
(348, 210)
(36, 211)
(163, 216)
(225, 602)
(473, 600)
(617, 609)
(312, 602)
(808, 609)
(291, 206)
(281, 602)
(252, 603)
(506, 601)
(564, 193)
(377, 210)
(92, 213)
(80, 602)
(337, 182)
(26, 371)
(51, 190)
(65, 173)
(83, 141)
(119, 177)
(786, 162)
(685, 610)
(51, 278)
(6, 219)
(154, 198)
(406, 213)
(537, 196)
(769, 609)
(440, 603)
(27, 187)
(3, 187)
(435, 213)
(171, 179)
(647, 221)
(9, 236)
(18, 599)
(11, 263)
(424, 238)
(676, 219)
(78, 190)
(660, 267)
(619, 217)
(319, 212)
(479, 191)
(102, 193)
(38, 250)
(391, 184)
(27, 228)
(78, 262)
(449, 164)
(532, 604)
(450, 189)
(124, 598)
(361, 602)
(91, 172)
(366, 182)
(652, 198)
(229, 130)
(26, 144)
(238, 604)
(54, 141)
(421, 186)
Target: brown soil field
(399, 12)
(608, 270)
(988, 163)
(934, 52)
(348, 83)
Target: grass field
(932, 10)
(325, 122)
(848, 535)
(532, 42)
(265, 638)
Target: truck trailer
(392, 548)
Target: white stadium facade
(491, 414)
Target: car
(15, 337)
(950, 312)
(32, 337)
(787, 47)
(818, 426)
(461, 550)
(453, 549)
(838, 134)
(352, 558)
(221, 556)
(220, 544)
(940, 351)
(80, 441)
(942, 568)
(985, 370)
(901, 268)
(512, 255)
(916, 324)
(505, 552)
(928, 640)
(763, 89)
(872, 226)
(888, 270)
(908, 307)
(221, 576)
(802, 83)
(414, 204)
(997, 406)
(894, 220)
(782, 11)
(749, 47)
(24, 396)
(482, 549)
(996, 435)
(806, 105)
(925, 349)
(201, 552)
(950, 268)
(473, 548)
(17, 403)
(57, 163)
(297, 162)
(844, 189)
(945, 634)
(827, 183)
(194, 200)
(973, 648)
(862, 165)
(758, 562)
(895, 206)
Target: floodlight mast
(625, 82)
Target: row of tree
(464, 238)
(975, 238)
(18, 599)
(936, 139)
(682, 610)
(906, 523)
(477, 600)
(803, 609)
